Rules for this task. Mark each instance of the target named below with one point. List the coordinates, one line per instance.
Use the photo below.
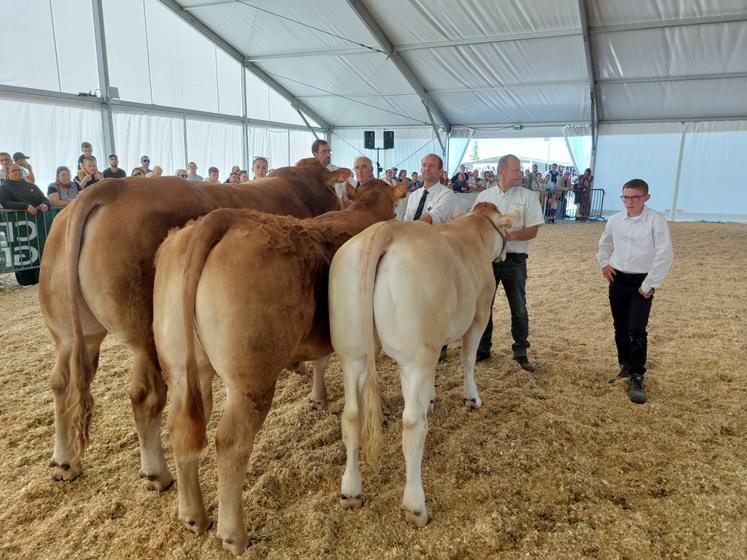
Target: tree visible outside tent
(475, 154)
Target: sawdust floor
(554, 465)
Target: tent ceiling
(483, 64)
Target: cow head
(339, 175)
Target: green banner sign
(22, 238)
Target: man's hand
(646, 294)
(31, 210)
(426, 218)
(609, 273)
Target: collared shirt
(515, 198)
(637, 245)
(439, 204)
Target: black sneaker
(636, 392)
(482, 355)
(624, 374)
(524, 363)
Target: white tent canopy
(436, 72)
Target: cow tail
(371, 436)
(206, 234)
(79, 399)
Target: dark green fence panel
(22, 238)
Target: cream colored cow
(412, 288)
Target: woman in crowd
(460, 184)
(137, 172)
(63, 190)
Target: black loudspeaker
(388, 139)
(369, 139)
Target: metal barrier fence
(22, 238)
(559, 205)
(568, 205)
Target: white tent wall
(50, 134)
(48, 45)
(651, 151)
(410, 146)
(214, 144)
(160, 137)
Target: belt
(519, 254)
(631, 274)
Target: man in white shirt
(635, 254)
(508, 197)
(432, 203)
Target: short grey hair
(368, 161)
(503, 162)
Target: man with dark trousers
(635, 254)
(512, 272)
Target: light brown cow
(97, 278)
(411, 288)
(242, 294)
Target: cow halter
(495, 227)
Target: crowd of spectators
(18, 189)
(552, 186)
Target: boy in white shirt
(635, 254)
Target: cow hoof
(197, 525)
(417, 518)
(234, 545)
(472, 404)
(158, 483)
(318, 404)
(66, 472)
(351, 502)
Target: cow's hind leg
(245, 411)
(318, 395)
(354, 372)
(187, 450)
(148, 397)
(469, 353)
(417, 389)
(64, 464)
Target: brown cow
(252, 289)
(97, 278)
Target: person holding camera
(21, 160)
(508, 197)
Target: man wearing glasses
(145, 166)
(635, 254)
